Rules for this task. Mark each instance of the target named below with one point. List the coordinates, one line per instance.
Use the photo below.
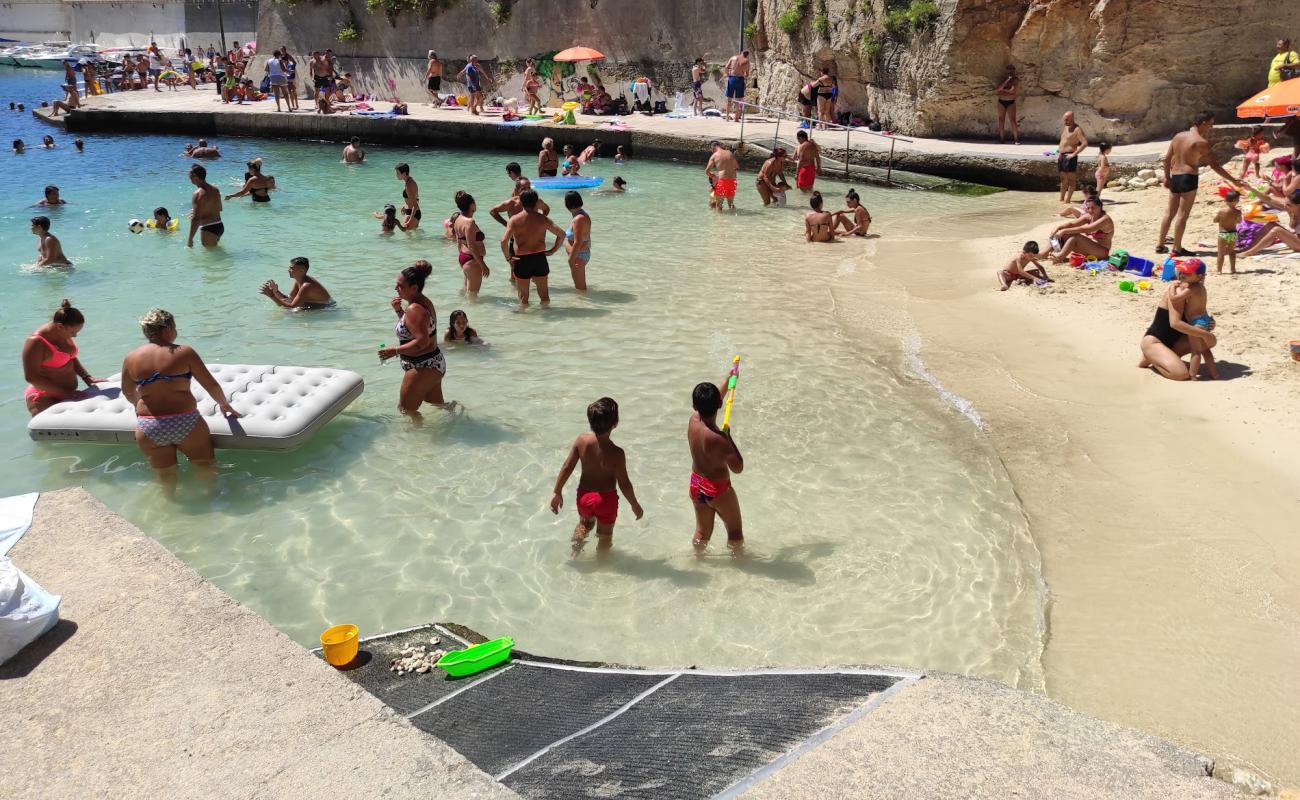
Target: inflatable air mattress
(567, 182)
(282, 407)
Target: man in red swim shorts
(721, 172)
(604, 466)
(808, 156)
(714, 456)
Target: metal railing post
(742, 123)
(776, 135)
(848, 150)
(889, 170)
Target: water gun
(731, 393)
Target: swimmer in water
(161, 219)
(50, 251)
(201, 150)
(79, 144)
(818, 225)
(410, 194)
(307, 293)
(390, 222)
(458, 329)
(714, 456)
(618, 186)
(51, 198)
(604, 472)
(256, 184)
(19, 147)
(48, 142)
(352, 153)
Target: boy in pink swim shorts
(604, 467)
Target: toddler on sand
(1015, 270)
(604, 466)
(1227, 219)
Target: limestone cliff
(1129, 69)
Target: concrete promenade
(201, 112)
(156, 684)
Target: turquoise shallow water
(881, 526)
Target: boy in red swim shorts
(604, 466)
(714, 456)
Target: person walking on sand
(1073, 142)
(737, 72)
(721, 172)
(1187, 153)
(524, 246)
(205, 214)
(808, 160)
(433, 78)
(714, 456)
(604, 473)
(1008, 93)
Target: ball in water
(135, 226)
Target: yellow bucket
(340, 643)
(462, 99)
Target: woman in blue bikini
(156, 379)
(578, 238)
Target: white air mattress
(281, 406)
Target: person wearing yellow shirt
(1285, 56)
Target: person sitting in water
(604, 473)
(201, 150)
(308, 293)
(855, 219)
(1091, 238)
(1017, 269)
(714, 455)
(1175, 332)
(156, 380)
(423, 363)
(352, 153)
(50, 362)
(818, 225)
(389, 221)
(50, 250)
(70, 100)
(458, 329)
(19, 147)
(256, 184)
(51, 198)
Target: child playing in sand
(1228, 218)
(1102, 173)
(1015, 270)
(1196, 311)
(604, 466)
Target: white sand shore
(1165, 512)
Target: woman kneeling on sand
(1091, 237)
(1181, 326)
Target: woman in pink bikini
(156, 379)
(50, 361)
(469, 243)
(1091, 237)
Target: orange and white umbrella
(579, 54)
(1279, 100)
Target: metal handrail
(848, 134)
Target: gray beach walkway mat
(555, 730)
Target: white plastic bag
(26, 610)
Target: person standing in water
(49, 253)
(423, 364)
(433, 79)
(307, 292)
(205, 216)
(1187, 153)
(50, 362)
(548, 161)
(255, 183)
(604, 473)
(524, 246)
(471, 251)
(352, 153)
(1073, 142)
(721, 172)
(410, 194)
(808, 158)
(578, 240)
(714, 456)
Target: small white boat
(9, 55)
(53, 55)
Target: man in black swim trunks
(524, 246)
(206, 217)
(1073, 142)
(1187, 153)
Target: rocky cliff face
(1129, 69)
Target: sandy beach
(1164, 511)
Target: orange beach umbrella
(579, 54)
(1279, 100)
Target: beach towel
(15, 518)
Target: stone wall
(658, 39)
(1130, 69)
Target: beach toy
(1295, 349)
(731, 393)
(1093, 272)
(135, 226)
(568, 182)
(172, 224)
(1119, 258)
(1204, 321)
(1127, 286)
(340, 644)
(1143, 267)
(571, 106)
(1144, 285)
(462, 99)
(1169, 270)
(472, 660)
(1077, 260)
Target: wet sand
(1165, 512)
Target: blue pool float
(568, 182)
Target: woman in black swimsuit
(256, 184)
(548, 161)
(1168, 338)
(411, 196)
(423, 364)
(1008, 91)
